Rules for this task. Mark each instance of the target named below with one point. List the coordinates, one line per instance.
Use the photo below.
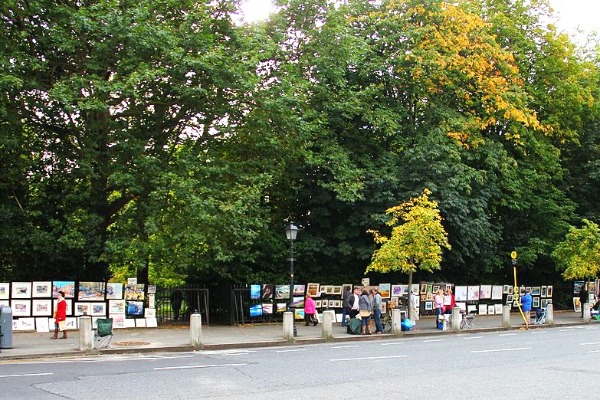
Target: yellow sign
(513, 254)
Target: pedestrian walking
(377, 306)
(310, 310)
(60, 316)
(438, 305)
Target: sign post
(514, 256)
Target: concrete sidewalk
(27, 345)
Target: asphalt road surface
(558, 363)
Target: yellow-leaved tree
(579, 254)
(417, 240)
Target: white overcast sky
(572, 14)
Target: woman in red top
(310, 310)
(60, 316)
(449, 301)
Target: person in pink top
(310, 310)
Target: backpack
(353, 326)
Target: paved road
(543, 363)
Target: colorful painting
(282, 292)
(41, 289)
(114, 291)
(68, 287)
(91, 291)
(254, 292)
(4, 291)
(135, 292)
(385, 289)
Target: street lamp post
(291, 231)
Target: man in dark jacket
(583, 297)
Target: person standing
(60, 316)
(353, 301)
(583, 297)
(449, 301)
(377, 306)
(346, 306)
(526, 301)
(310, 310)
(365, 308)
(438, 305)
(176, 300)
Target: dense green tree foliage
(163, 140)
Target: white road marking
(594, 351)
(344, 347)
(391, 344)
(433, 340)
(228, 352)
(289, 351)
(23, 375)
(199, 366)
(472, 337)
(507, 334)
(589, 344)
(538, 332)
(498, 350)
(367, 358)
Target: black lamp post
(291, 231)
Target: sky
(572, 14)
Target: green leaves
(579, 254)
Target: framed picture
(385, 290)
(482, 309)
(497, 291)
(136, 308)
(42, 325)
(298, 301)
(397, 291)
(91, 291)
(393, 303)
(254, 292)
(491, 309)
(423, 288)
(267, 308)
(509, 299)
(337, 303)
(535, 291)
(68, 287)
(26, 324)
(544, 291)
(41, 289)
(428, 305)
(135, 292)
(281, 307)
(299, 290)
(114, 291)
(498, 308)
(118, 321)
(4, 291)
(318, 303)
(337, 291)
(116, 307)
(485, 292)
(5, 303)
(435, 288)
(282, 292)
(576, 304)
(21, 290)
(328, 289)
(41, 308)
(473, 293)
(536, 302)
(21, 308)
(82, 309)
(256, 310)
(549, 291)
(299, 313)
(151, 312)
(461, 293)
(505, 289)
(313, 289)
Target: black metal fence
(174, 306)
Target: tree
(579, 254)
(416, 242)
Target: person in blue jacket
(526, 301)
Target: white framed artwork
(98, 309)
(41, 308)
(21, 290)
(116, 307)
(21, 308)
(41, 289)
(151, 322)
(82, 308)
(4, 290)
(42, 325)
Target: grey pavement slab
(132, 340)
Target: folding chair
(468, 320)
(103, 333)
(540, 317)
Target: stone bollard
(587, 317)
(455, 319)
(196, 330)
(550, 314)
(86, 333)
(328, 318)
(396, 321)
(288, 326)
(506, 317)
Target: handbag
(365, 313)
(62, 325)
